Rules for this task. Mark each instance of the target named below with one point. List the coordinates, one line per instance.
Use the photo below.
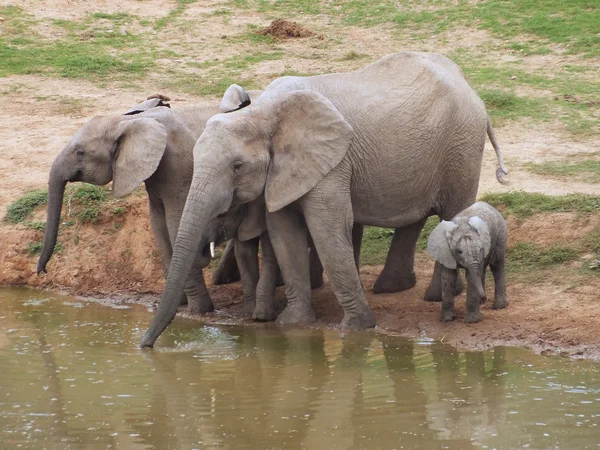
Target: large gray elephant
(388, 145)
(150, 143)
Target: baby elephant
(473, 239)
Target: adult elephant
(150, 143)
(388, 145)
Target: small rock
(513, 77)
(123, 32)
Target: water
(71, 376)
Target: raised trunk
(474, 280)
(200, 208)
(56, 190)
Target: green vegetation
(173, 14)
(525, 204)
(587, 170)
(84, 202)
(19, 210)
(504, 106)
(37, 226)
(352, 55)
(34, 247)
(526, 256)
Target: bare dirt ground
(39, 114)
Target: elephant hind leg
(398, 273)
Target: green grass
(34, 247)
(573, 167)
(85, 202)
(173, 14)
(525, 204)
(37, 226)
(19, 210)
(505, 106)
(527, 256)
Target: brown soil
(285, 29)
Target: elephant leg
(483, 273)
(290, 242)
(448, 277)
(332, 235)
(198, 298)
(357, 235)
(265, 290)
(434, 290)
(246, 254)
(227, 270)
(199, 301)
(398, 273)
(499, 272)
(161, 237)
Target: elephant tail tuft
(501, 170)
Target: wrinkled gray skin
(388, 145)
(154, 144)
(474, 239)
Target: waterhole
(72, 376)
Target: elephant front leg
(398, 273)
(199, 301)
(267, 281)
(434, 290)
(289, 238)
(448, 280)
(332, 235)
(246, 254)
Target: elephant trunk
(474, 280)
(56, 190)
(203, 204)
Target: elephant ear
(140, 146)
(309, 140)
(254, 222)
(484, 233)
(438, 245)
(235, 98)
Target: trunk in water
(191, 235)
(56, 190)
(474, 280)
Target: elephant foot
(500, 302)
(264, 311)
(200, 307)
(297, 314)
(392, 282)
(472, 317)
(249, 306)
(448, 316)
(358, 320)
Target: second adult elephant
(388, 145)
(150, 143)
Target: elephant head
(466, 245)
(125, 149)
(268, 154)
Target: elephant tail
(501, 170)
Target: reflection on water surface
(73, 377)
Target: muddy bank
(116, 260)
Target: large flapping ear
(254, 222)
(141, 144)
(146, 105)
(235, 98)
(484, 233)
(310, 139)
(438, 245)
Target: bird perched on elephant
(150, 143)
(473, 240)
(388, 145)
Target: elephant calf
(473, 239)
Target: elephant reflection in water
(468, 402)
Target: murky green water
(71, 376)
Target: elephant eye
(460, 252)
(80, 152)
(237, 166)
